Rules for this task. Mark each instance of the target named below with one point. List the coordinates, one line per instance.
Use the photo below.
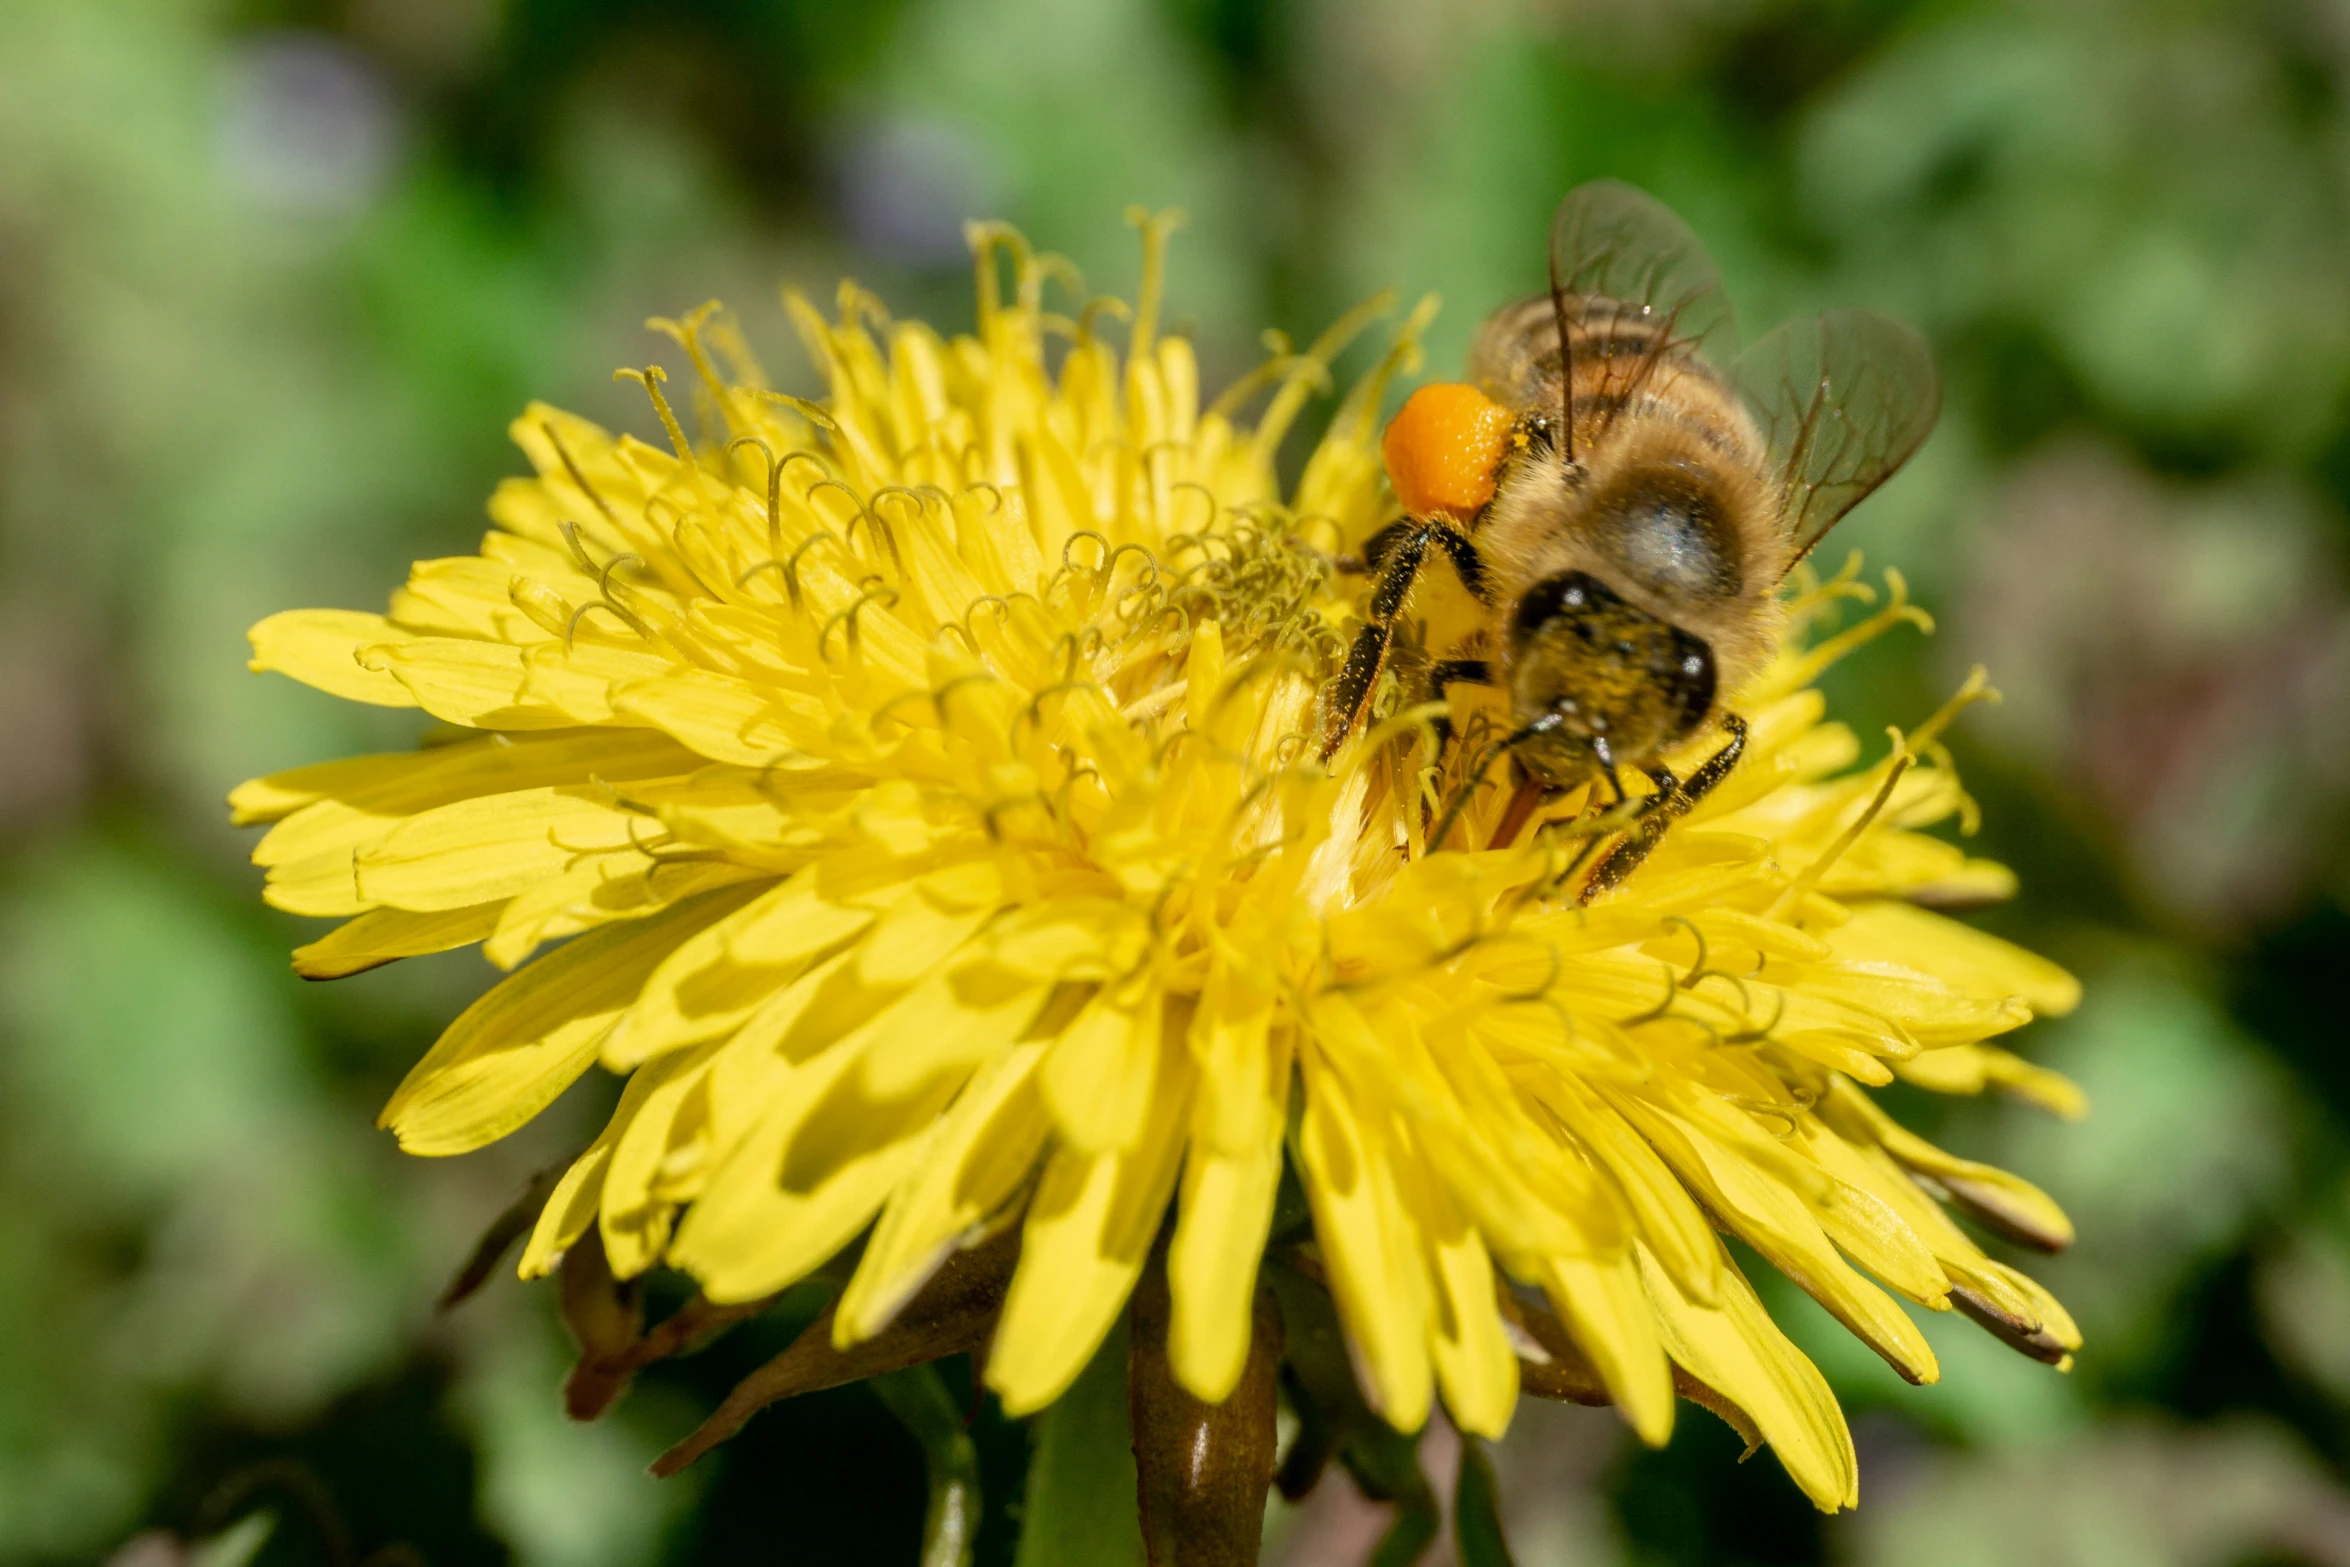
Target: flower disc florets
(919, 783)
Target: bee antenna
(1559, 315)
(1607, 763)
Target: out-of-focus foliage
(274, 275)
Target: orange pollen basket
(1444, 447)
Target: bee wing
(1844, 398)
(1626, 273)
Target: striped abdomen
(1625, 368)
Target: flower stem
(927, 1410)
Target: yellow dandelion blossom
(918, 785)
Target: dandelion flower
(910, 793)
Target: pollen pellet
(1443, 448)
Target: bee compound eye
(1693, 689)
(1568, 603)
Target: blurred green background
(273, 276)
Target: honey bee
(1623, 509)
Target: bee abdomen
(1516, 359)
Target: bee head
(1596, 681)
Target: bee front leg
(1672, 800)
(1716, 767)
(1453, 672)
(1458, 671)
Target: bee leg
(1606, 756)
(1375, 548)
(1672, 801)
(1453, 671)
(1458, 671)
(1396, 553)
(1716, 767)
(1657, 812)
(1358, 677)
(1350, 693)
(1465, 560)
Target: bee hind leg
(1673, 799)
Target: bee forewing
(1844, 398)
(1609, 241)
(1630, 287)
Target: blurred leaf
(1476, 1519)
(1081, 1509)
(561, 1493)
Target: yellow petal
(597, 890)
(403, 783)
(492, 847)
(634, 1218)
(323, 828)
(1877, 1235)
(822, 1156)
(1222, 1215)
(727, 719)
(1953, 1069)
(1231, 1040)
(320, 647)
(1889, 931)
(1928, 1009)
(1733, 1347)
(2007, 1201)
(917, 933)
(1675, 1228)
(282, 794)
(465, 595)
(982, 1152)
(509, 1054)
(1474, 1362)
(1088, 1232)
(325, 886)
(710, 985)
(1751, 1187)
(349, 804)
(1099, 1075)
(989, 1007)
(386, 934)
(798, 1024)
(2051, 1091)
(1368, 1243)
(570, 1209)
(1600, 1301)
(481, 685)
(578, 678)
